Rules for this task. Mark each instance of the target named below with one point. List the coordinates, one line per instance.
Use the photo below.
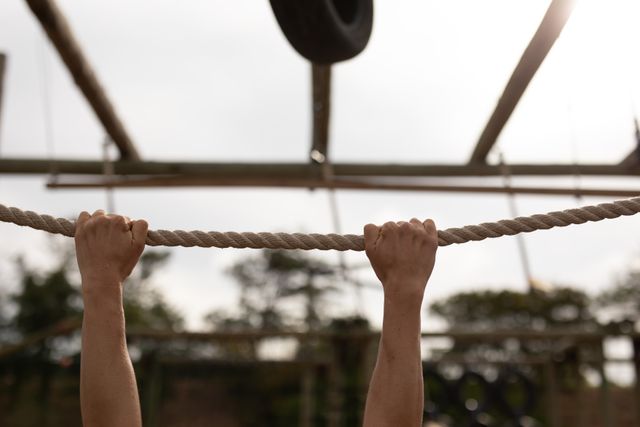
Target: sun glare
(602, 38)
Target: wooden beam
(550, 28)
(63, 327)
(27, 166)
(341, 184)
(60, 34)
(571, 334)
(321, 108)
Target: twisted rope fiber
(505, 227)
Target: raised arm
(402, 255)
(107, 249)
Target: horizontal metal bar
(180, 181)
(300, 170)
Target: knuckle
(100, 220)
(119, 220)
(405, 226)
(389, 225)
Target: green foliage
(561, 308)
(144, 306)
(622, 302)
(493, 311)
(44, 299)
(268, 282)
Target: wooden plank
(57, 28)
(63, 327)
(321, 108)
(577, 336)
(268, 182)
(30, 166)
(543, 40)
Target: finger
(139, 230)
(129, 223)
(430, 226)
(370, 232)
(389, 225)
(416, 221)
(98, 213)
(404, 226)
(82, 218)
(81, 221)
(121, 222)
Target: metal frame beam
(321, 110)
(333, 184)
(543, 40)
(26, 166)
(60, 34)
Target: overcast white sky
(216, 80)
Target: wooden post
(605, 398)
(307, 395)
(335, 401)
(552, 393)
(321, 110)
(582, 401)
(153, 391)
(636, 365)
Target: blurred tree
(268, 282)
(622, 303)
(144, 306)
(45, 298)
(562, 309)
(559, 308)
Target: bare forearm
(108, 391)
(396, 392)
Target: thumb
(371, 233)
(139, 230)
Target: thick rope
(506, 227)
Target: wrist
(405, 293)
(101, 294)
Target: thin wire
(513, 211)
(108, 174)
(337, 227)
(47, 111)
(570, 59)
(577, 178)
(3, 79)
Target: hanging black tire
(325, 31)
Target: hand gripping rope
(505, 227)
